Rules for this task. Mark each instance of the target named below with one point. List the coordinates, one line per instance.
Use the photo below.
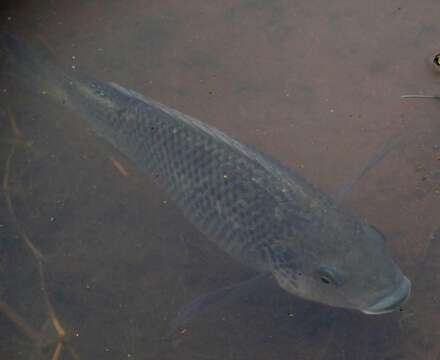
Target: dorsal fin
(128, 92)
(351, 183)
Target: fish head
(347, 267)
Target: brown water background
(317, 84)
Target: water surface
(315, 84)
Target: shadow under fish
(264, 215)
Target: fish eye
(328, 277)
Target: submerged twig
(57, 352)
(6, 191)
(14, 127)
(19, 322)
(415, 96)
(39, 258)
(119, 167)
(51, 312)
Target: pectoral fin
(218, 296)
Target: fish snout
(391, 301)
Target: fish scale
(215, 186)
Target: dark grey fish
(261, 213)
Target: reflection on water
(96, 263)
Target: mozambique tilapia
(263, 214)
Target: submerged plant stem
(57, 353)
(19, 322)
(6, 191)
(39, 258)
(415, 96)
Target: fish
(263, 214)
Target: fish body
(263, 214)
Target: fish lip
(391, 301)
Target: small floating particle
(119, 167)
(14, 126)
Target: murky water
(97, 261)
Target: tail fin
(32, 66)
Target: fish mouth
(391, 301)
